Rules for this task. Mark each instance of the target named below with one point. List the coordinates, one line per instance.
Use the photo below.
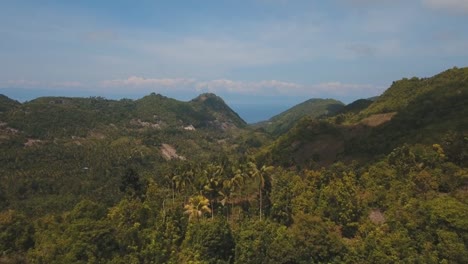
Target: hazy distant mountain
(312, 108)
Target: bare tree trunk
(212, 210)
(173, 193)
(260, 189)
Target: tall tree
(196, 207)
(262, 175)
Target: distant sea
(255, 113)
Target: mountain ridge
(314, 108)
(49, 114)
(411, 111)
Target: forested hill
(411, 111)
(74, 148)
(7, 104)
(50, 117)
(312, 108)
(436, 91)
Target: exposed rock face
(378, 119)
(138, 122)
(169, 152)
(377, 217)
(189, 128)
(32, 142)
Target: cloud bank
(449, 5)
(193, 86)
(226, 86)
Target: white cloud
(361, 49)
(104, 35)
(214, 51)
(218, 86)
(341, 89)
(22, 83)
(70, 84)
(264, 87)
(261, 87)
(135, 81)
(369, 2)
(450, 5)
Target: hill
(411, 111)
(7, 104)
(312, 108)
(79, 147)
(51, 117)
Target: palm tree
(238, 180)
(230, 186)
(213, 184)
(261, 175)
(183, 180)
(212, 189)
(196, 207)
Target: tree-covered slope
(411, 111)
(220, 113)
(312, 108)
(50, 117)
(7, 104)
(404, 92)
(77, 148)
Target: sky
(260, 56)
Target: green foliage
(16, 232)
(197, 206)
(99, 188)
(263, 242)
(285, 188)
(449, 212)
(208, 242)
(315, 241)
(425, 111)
(348, 112)
(404, 92)
(7, 104)
(50, 117)
(312, 108)
(339, 201)
(76, 237)
(131, 184)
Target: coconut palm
(183, 180)
(261, 175)
(213, 184)
(212, 190)
(196, 207)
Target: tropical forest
(159, 180)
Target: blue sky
(273, 53)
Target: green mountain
(88, 142)
(404, 92)
(355, 107)
(426, 111)
(7, 104)
(51, 117)
(312, 108)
